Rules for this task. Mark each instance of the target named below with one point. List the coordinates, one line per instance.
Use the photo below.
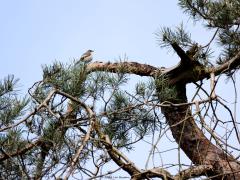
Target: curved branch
(194, 143)
(187, 71)
(121, 160)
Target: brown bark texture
(195, 145)
(184, 129)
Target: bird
(87, 56)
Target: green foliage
(141, 88)
(102, 91)
(166, 36)
(219, 16)
(128, 115)
(66, 78)
(192, 7)
(12, 141)
(145, 90)
(124, 117)
(218, 13)
(164, 91)
(11, 107)
(7, 85)
(52, 132)
(230, 41)
(11, 170)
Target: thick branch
(193, 142)
(196, 171)
(187, 71)
(126, 67)
(154, 173)
(118, 157)
(185, 59)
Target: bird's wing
(86, 54)
(83, 56)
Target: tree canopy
(78, 119)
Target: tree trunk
(193, 142)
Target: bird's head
(90, 51)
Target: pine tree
(79, 119)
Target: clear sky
(36, 32)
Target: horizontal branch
(155, 173)
(187, 71)
(126, 67)
(196, 171)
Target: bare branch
(192, 172)
(155, 172)
(186, 71)
(85, 140)
(127, 67)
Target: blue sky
(36, 32)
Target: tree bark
(182, 124)
(193, 142)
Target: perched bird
(87, 56)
